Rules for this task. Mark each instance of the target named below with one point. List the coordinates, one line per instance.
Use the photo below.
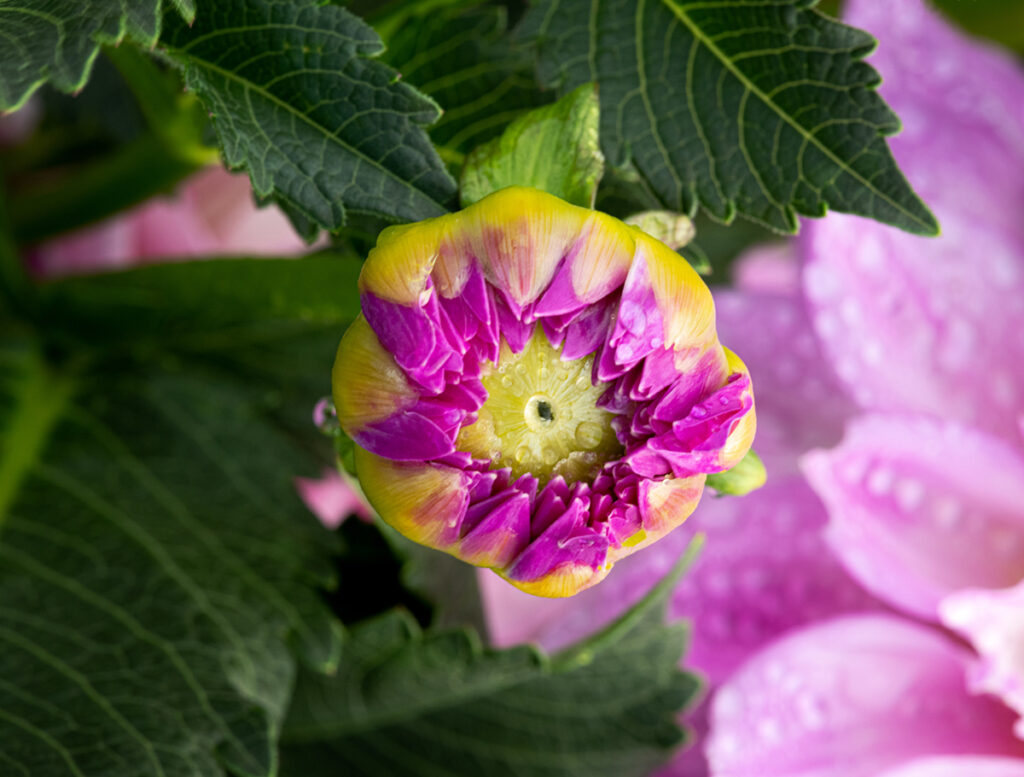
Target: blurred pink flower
(332, 498)
(851, 697)
(212, 213)
(925, 494)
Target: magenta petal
(933, 324)
(921, 508)
(500, 531)
(639, 325)
(994, 623)
(960, 766)
(406, 436)
(851, 697)
(567, 541)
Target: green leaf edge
(187, 10)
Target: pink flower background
(862, 615)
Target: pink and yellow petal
(520, 236)
(681, 295)
(664, 506)
(424, 501)
(741, 436)
(397, 268)
(368, 384)
(563, 581)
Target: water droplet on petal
(589, 435)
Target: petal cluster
(537, 388)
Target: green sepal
(554, 149)
(749, 475)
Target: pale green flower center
(541, 415)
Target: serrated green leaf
(416, 704)
(57, 40)
(554, 149)
(157, 571)
(298, 101)
(462, 58)
(761, 107)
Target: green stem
(39, 398)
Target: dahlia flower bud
(537, 388)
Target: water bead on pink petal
(920, 508)
(852, 697)
(537, 388)
(933, 324)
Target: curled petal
(852, 697)
(921, 508)
(994, 623)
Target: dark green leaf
(448, 582)
(157, 570)
(57, 40)
(202, 305)
(298, 101)
(762, 108)
(462, 59)
(1000, 20)
(414, 704)
(554, 149)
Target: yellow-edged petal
(418, 499)
(604, 256)
(742, 435)
(368, 384)
(565, 581)
(683, 298)
(398, 266)
(520, 235)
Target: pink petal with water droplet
(994, 623)
(851, 697)
(920, 508)
(960, 766)
(933, 324)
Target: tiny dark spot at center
(544, 411)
